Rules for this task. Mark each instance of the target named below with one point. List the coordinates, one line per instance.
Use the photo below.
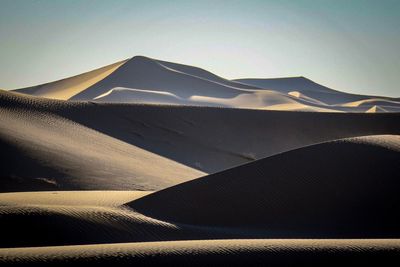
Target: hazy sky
(348, 45)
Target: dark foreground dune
(342, 189)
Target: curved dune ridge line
(137, 80)
(212, 253)
(67, 88)
(346, 188)
(206, 139)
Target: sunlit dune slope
(67, 88)
(149, 74)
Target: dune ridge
(136, 80)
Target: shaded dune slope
(346, 188)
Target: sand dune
(261, 252)
(43, 151)
(67, 88)
(146, 73)
(146, 80)
(346, 188)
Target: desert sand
(147, 162)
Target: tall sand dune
(146, 73)
(137, 80)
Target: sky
(348, 45)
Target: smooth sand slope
(146, 80)
(268, 252)
(207, 139)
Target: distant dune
(138, 80)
